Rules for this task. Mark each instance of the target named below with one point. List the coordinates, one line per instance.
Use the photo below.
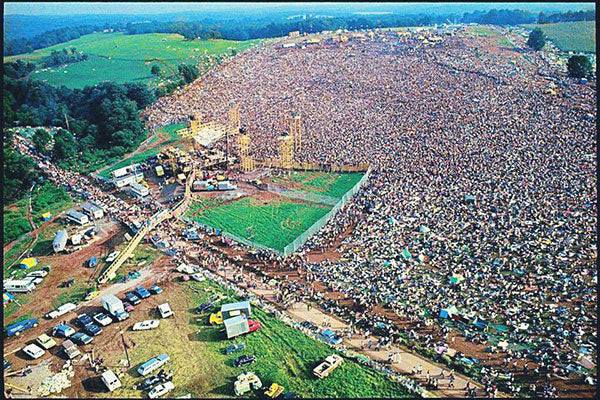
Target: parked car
(254, 326)
(155, 289)
(161, 389)
(165, 310)
(132, 298)
(329, 337)
(153, 364)
(91, 295)
(84, 320)
(151, 381)
(45, 341)
(198, 277)
(204, 307)
(142, 292)
(246, 359)
(127, 307)
(33, 351)
(112, 256)
(63, 331)
(93, 330)
(93, 262)
(102, 319)
(81, 338)
(145, 325)
(16, 328)
(133, 274)
(234, 347)
(70, 349)
(62, 310)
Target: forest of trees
(243, 29)
(64, 56)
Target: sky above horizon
(49, 8)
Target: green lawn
(124, 58)
(570, 36)
(46, 198)
(274, 224)
(329, 184)
(200, 367)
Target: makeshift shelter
(503, 345)
(469, 199)
(448, 312)
(28, 263)
(406, 254)
(7, 298)
(47, 216)
(455, 279)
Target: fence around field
(300, 240)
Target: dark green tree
(536, 39)
(579, 66)
(41, 139)
(65, 146)
(155, 70)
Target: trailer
(77, 217)
(60, 241)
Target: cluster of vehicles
(27, 284)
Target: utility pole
(125, 347)
(67, 122)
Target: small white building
(77, 217)
(123, 181)
(92, 210)
(139, 189)
(60, 241)
(128, 170)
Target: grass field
(124, 58)
(200, 367)
(273, 223)
(329, 184)
(570, 36)
(46, 198)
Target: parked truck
(324, 369)
(114, 306)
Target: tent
(28, 263)
(47, 216)
(448, 312)
(424, 229)
(469, 199)
(406, 254)
(456, 279)
(7, 298)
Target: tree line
(64, 56)
(240, 28)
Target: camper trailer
(77, 217)
(60, 241)
(92, 210)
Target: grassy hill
(124, 58)
(570, 36)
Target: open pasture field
(124, 58)
(201, 368)
(324, 183)
(273, 221)
(570, 36)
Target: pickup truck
(324, 369)
(17, 328)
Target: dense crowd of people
(482, 195)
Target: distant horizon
(130, 8)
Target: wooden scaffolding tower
(296, 131)
(234, 119)
(286, 150)
(194, 125)
(246, 160)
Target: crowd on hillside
(482, 196)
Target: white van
(165, 310)
(62, 310)
(38, 274)
(111, 380)
(19, 286)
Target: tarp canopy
(28, 263)
(7, 298)
(406, 254)
(47, 216)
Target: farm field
(274, 222)
(200, 367)
(570, 36)
(324, 183)
(46, 198)
(166, 133)
(124, 58)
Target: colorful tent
(406, 254)
(7, 298)
(448, 312)
(28, 263)
(47, 216)
(456, 279)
